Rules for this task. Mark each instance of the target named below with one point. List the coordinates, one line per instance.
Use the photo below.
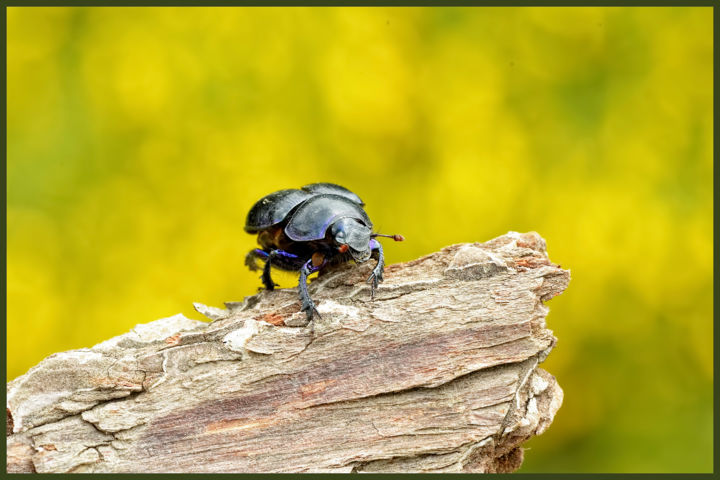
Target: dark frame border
(4, 4)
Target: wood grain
(438, 374)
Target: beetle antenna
(397, 238)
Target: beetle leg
(281, 259)
(377, 274)
(252, 256)
(287, 261)
(277, 258)
(265, 277)
(307, 304)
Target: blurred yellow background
(138, 138)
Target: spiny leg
(308, 306)
(252, 256)
(278, 258)
(265, 277)
(377, 274)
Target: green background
(138, 138)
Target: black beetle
(308, 229)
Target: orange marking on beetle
(277, 237)
(343, 248)
(317, 259)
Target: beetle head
(350, 232)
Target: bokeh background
(138, 138)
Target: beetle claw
(310, 310)
(268, 285)
(374, 280)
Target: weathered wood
(437, 374)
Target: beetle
(304, 230)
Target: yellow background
(138, 138)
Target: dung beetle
(308, 229)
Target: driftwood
(437, 374)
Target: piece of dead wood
(437, 374)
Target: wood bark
(439, 373)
